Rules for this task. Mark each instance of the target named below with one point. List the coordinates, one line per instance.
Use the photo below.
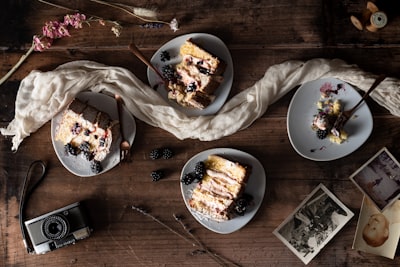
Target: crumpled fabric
(42, 95)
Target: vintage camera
(58, 228)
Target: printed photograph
(316, 221)
(378, 232)
(379, 179)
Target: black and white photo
(310, 227)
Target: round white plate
(255, 187)
(210, 43)
(302, 109)
(78, 165)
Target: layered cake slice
(223, 183)
(195, 79)
(84, 129)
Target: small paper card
(378, 232)
(313, 224)
(379, 179)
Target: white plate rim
(299, 119)
(211, 43)
(105, 103)
(256, 187)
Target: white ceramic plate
(303, 107)
(255, 187)
(212, 44)
(77, 164)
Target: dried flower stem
(220, 259)
(16, 66)
(42, 42)
(125, 9)
(58, 6)
(142, 211)
(192, 240)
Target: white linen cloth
(42, 95)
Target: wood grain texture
(258, 34)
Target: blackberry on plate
(85, 147)
(191, 87)
(241, 204)
(169, 73)
(164, 56)
(188, 178)
(88, 155)
(157, 175)
(95, 166)
(76, 129)
(199, 170)
(70, 149)
(204, 70)
(167, 153)
(322, 134)
(155, 153)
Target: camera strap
(26, 192)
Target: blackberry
(95, 166)
(84, 147)
(70, 149)
(199, 170)
(76, 129)
(204, 70)
(188, 178)
(322, 134)
(157, 175)
(191, 87)
(167, 153)
(164, 56)
(169, 73)
(88, 155)
(155, 153)
(241, 204)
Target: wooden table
(258, 34)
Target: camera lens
(55, 227)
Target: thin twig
(193, 240)
(124, 8)
(58, 6)
(142, 211)
(220, 259)
(16, 66)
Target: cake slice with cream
(223, 183)
(85, 130)
(196, 77)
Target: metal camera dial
(55, 227)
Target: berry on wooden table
(167, 153)
(155, 153)
(157, 175)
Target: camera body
(58, 228)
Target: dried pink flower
(75, 20)
(55, 29)
(41, 44)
